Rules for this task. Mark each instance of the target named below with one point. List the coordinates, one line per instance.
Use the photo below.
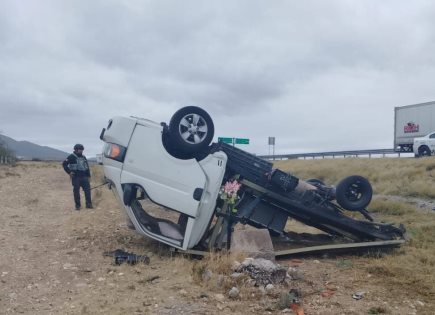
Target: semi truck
(412, 121)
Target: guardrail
(334, 154)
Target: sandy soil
(52, 263)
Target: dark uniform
(76, 165)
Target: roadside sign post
(272, 143)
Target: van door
(169, 182)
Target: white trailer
(410, 122)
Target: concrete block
(256, 243)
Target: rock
(295, 274)
(182, 292)
(234, 293)
(236, 275)
(219, 297)
(420, 303)
(263, 271)
(101, 279)
(206, 275)
(316, 261)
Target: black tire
(354, 193)
(424, 151)
(191, 130)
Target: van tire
(191, 130)
(354, 193)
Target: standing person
(76, 165)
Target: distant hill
(28, 150)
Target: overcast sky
(317, 75)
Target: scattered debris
(291, 300)
(288, 298)
(358, 295)
(122, 256)
(151, 279)
(297, 309)
(203, 296)
(263, 271)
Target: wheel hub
(193, 128)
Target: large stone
(255, 243)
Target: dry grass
(219, 267)
(403, 177)
(412, 268)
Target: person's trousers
(81, 181)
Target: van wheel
(424, 151)
(354, 193)
(191, 130)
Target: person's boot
(89, 206)
(78, 207)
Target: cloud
(317, 75)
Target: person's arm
(65, 165)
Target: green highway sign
(233, 140)
(225, 140)
(242, 141)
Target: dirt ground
(52, 263)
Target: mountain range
(27, 150)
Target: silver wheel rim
(193, 128)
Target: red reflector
(115, 151)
